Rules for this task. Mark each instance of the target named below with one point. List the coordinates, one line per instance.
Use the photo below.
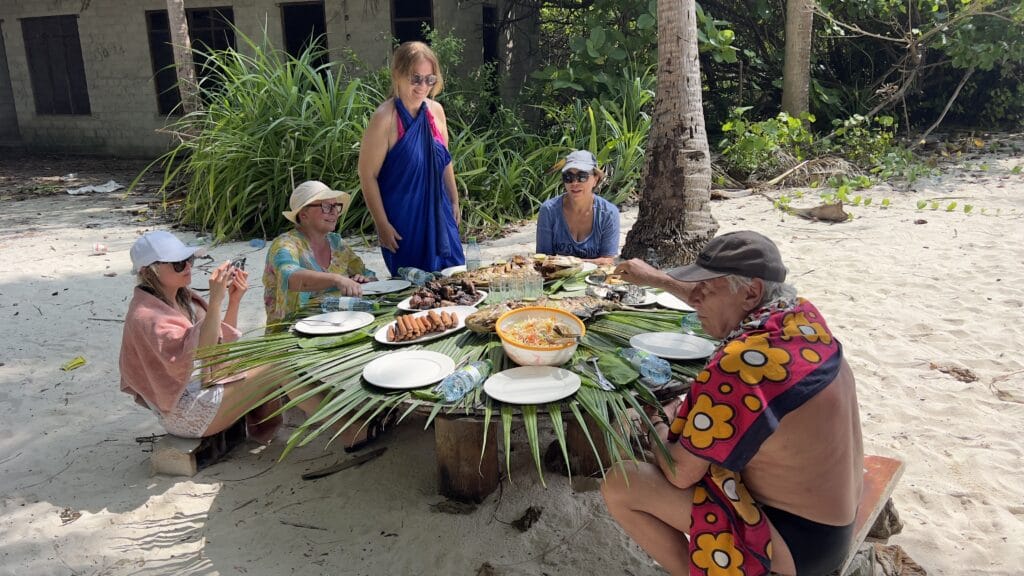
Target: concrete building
(91, 76)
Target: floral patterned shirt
(290, 252)
(777, 359)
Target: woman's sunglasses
(328, 208)
(179, 267)
(429, 79)
(569, 177)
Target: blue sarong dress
(415, 200)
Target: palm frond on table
(298, 368)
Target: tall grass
(272, 121)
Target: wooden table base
(463, 473)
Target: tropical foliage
(331, 366)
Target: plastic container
(656, 370)
(415, 275)
(99, 249)
(464, 380)
(258, 243)
(527, 355)
(339, 303)
(472, 254)
(690, 323)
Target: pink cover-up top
(158, 349)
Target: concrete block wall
(124, 118)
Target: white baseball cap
(582, 160)
(310, 191)
(158, 246)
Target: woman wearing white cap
(311, 260)
(166, 323)
(579, 222)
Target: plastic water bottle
(656, 370)
(337, 303)
(415, 275)
(690, 323)
(464, 380)
(472, 253)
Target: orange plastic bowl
(527, 355)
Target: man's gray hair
(772, 290)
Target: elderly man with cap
(579, 222)
(311, 260)
(766, 448)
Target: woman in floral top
(312, 260)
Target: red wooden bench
(880, 477)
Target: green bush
(750, 148)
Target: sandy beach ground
(911, 293)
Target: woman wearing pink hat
(579, 222)
(311, 260)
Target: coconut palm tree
(183, 64)
(675, 219)
(796, 70)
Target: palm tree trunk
(796, 71)
(675, 219)
(187, 86)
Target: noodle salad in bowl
(539, 336)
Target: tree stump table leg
(582, 459)
(462, 472)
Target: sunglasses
(327, 208)
(179, 267)
(429, 79)
(568, 177)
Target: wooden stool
(880, 477)
(176, 456)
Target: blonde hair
(406, 57)
(149, 282)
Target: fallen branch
(949, 104)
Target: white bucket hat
(158, 246)
(310, 191)
(582, 160)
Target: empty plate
(532, 385)
(334, 322)
(385, 286)
(673, 345)
(408, 369)
(667, 300)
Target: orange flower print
(797, 324)
(755, 360)
(732, 486)
(708, 422)
(717, 555)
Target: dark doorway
(408, 17)
(489, 28)
(304, 24)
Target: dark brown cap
(742, 253)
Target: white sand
(900, 296)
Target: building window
(303, 25)
(209, 29)
(489, 27)
(55, 65)
(408, 18)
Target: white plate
(453, 270)
(673, 345)
(404, 304)
(667, 300)
(408, 369)
(649, 298)
(381, 335)
(334, 322)
(385, 286)
(532, 385)
(588, 267)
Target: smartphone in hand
(237, 264)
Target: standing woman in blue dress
(405, 169)
(579, 223)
